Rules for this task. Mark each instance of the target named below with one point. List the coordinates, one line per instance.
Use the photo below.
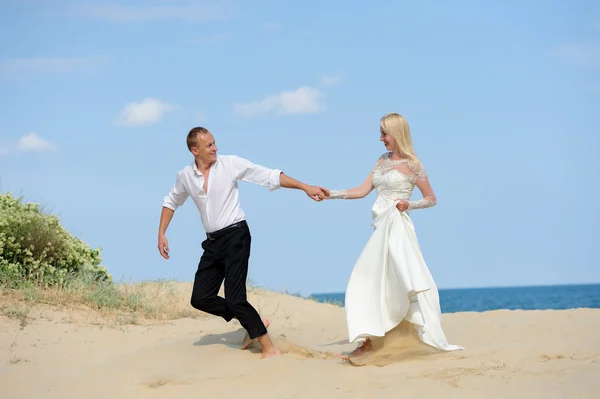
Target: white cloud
(32, 142)
(331, 80)
(21, 66)
(304, 100)
(188, 11)
(149, 111)
(581, 55)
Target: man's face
(205, 148)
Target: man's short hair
(192, 136)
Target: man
(212, 183)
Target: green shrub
(36, 249)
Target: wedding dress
(390, 281)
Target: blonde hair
(395, 125)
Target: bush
(36, 249)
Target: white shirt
(220, 206)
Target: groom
(212, 183)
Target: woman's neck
(397, 155)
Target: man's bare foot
(367, 346)
(247, 341)
(268, 349)
(272, 353)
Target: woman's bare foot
(367, 346)
(247, 341)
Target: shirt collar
(197, 172)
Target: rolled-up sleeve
(258, 174)
(177, 195)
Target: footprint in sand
(162, 381)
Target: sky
(96, 100)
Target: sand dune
(77, 354)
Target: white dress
(390, 281)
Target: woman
(390, 281)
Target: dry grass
(142, 303)
(107, 303)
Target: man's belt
(216, 234)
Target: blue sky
(97, 99)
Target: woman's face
(387, 139)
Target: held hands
(317, 193)
(402, 205)
(163, 246)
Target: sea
(525, 298)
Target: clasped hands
(317, 193)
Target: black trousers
(226, 258)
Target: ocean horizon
(540, 297)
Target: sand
(70, 353)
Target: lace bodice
(393, 180)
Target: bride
(390, 281)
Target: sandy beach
(74, 352)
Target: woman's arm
(354, 193)
(428, 199)
(422, 182)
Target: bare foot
(268, 349)
(361, 350)
(272, 353)
(247, 341)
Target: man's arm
(315, 192)
(273, 178)
(165, 218)
(176, 197)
